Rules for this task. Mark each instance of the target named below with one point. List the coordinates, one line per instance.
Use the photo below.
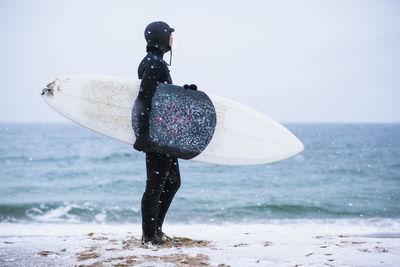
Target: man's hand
(141, 144)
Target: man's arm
(147, 88)
(149, 82)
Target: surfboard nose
(300, 145)
(291, 145)
(291, 140)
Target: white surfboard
(243, 136)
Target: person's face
(171, 39)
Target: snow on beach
(280, 243)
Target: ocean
(63, 173)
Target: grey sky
(296, 61)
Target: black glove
(191, 87)
(141, 144)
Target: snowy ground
(303, 243)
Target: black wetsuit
(163, 178)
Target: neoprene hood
(157, 35)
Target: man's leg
(158, 167)
(172, 185)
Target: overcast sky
(296, 61)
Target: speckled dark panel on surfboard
(182, 122)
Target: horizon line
(281, 122)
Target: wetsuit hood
(157, 36)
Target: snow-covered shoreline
(279, 243)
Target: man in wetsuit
(163, 178)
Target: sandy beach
(304, 243)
